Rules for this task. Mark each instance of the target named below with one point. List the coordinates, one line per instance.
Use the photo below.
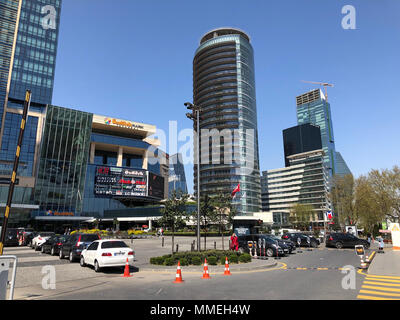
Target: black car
(345, 240)
(77, 242)
(28, 238)
(11, 237)
(295, 236)
(53, 244)
(289, 243)
(271, 246)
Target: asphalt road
(309, 275)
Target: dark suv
(77, 242)
(294, 236)
(345, 240)
(11, 237)
(271, 247)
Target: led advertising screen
(114, 181)
(156, 186)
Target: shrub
(169, 261)
(196, 261)
(222, 260)
(184, 262)
(233, 258)
(244, 258)
(212, 260)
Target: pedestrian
(381, 244)
(234, 242)
(369, 238)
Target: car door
(90, 253)
(66, 248)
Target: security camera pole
(195, 116)
(14, 173)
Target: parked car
(29, 237)
(290, 244)
(40, 238)
(11, 237)
(23, 234)
(73, 247)
(271, 246)
(294, 236)
(345, 240)
(107, 253)
(53, 244)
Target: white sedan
(107, 253)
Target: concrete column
(120, 155)
(150, 224)
(92, 151)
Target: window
(113, 244)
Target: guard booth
(243, 225)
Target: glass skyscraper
(177, 177)
(313, 108)
(341, 166)
(224, 88)
(28, 49)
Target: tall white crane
(324, 84)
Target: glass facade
(299, 139)
(313, 108)
(341, 167)
(177, 178)
(224, 87)
(35, 52)
(63, 160)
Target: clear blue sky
(133, 60)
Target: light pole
(195, 116)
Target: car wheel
(82, 262)
(339, 245)
(53, 252)
(314, 244)
(96, 266)
(37, 248)
(71, 257)
(60, 255)
(270, 252)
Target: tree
(225, 212)
(342, 196)
(207, 215)
(300, 215)
(174, 213)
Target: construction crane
(324, 84)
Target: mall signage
(122, 123)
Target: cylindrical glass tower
(224, 88)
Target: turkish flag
(237, 189)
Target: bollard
(192, 246)
(162, 241)
(215, 245)
(177, 247)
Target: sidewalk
(387, 263)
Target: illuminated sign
(122, 123)
(56, 213)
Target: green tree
(301, 215)
(207, 215)
(224, 212)
(342, 197)
(174, 213)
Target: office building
(177, 178)
(313, 108)
(304, 181)
(224, 88)
(341, 167)
(301, 138)
(28, 50)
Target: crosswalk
(377, 287)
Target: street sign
(360, 250)
(395, 230)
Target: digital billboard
(114, 181)
(156, 186)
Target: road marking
(386, 280)
(383, 284)
(381, 288)
(381, 293)
(374, 298)
(382, 277)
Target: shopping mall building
(86, 167)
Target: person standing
(234, 242)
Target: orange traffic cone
(227, 272)
(178, 278)
(206, 275)
(126, 271)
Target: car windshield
(113, 244)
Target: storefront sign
(122, 123)
(56, 213)
(395, 229)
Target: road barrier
(126, 270)
(178, 278)
(227, 271)
(5, 262)
(206, 275)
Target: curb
(173, 270)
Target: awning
(62, 218)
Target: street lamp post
(195, 115)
